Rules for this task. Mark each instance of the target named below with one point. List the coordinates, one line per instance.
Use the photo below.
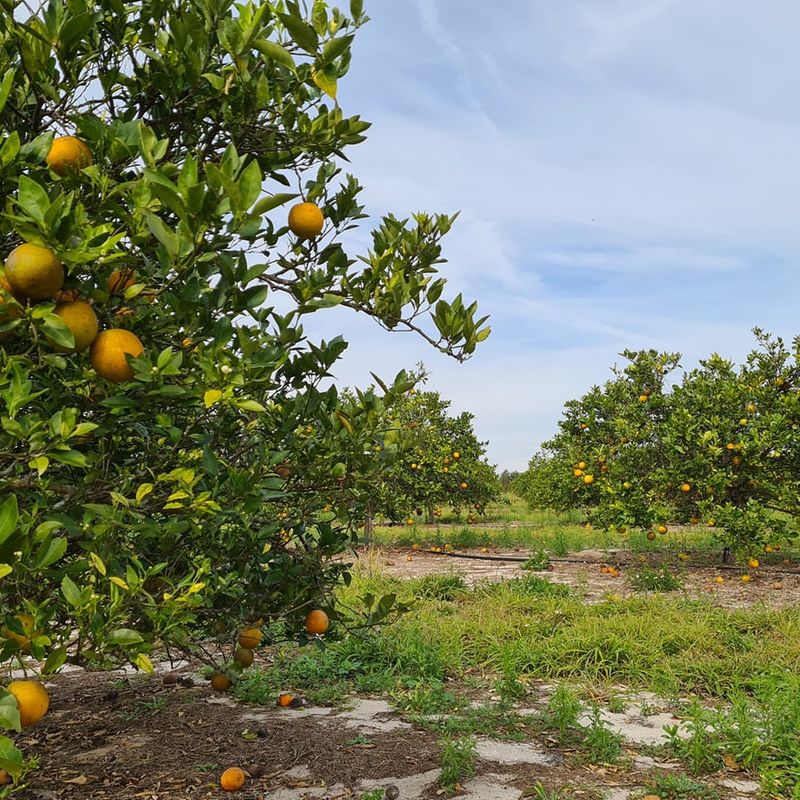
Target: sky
(627, 177)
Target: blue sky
(627, 176)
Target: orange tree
(171, 463)
(718, 447)
(442, 462)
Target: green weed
(458, 762)
(655, 580)
(668, 786)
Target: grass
(458, 762)
(510, 524)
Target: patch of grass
(539, 792)
(562, 713)
(600, 744)
(648, 579)
(458, 762)
(538, 561)
(668, 786)
(436, 587)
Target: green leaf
(9, 514)
(5, 569)
(143, 491)
(162, 233)
(57, 332)
(125, 637)
(274, 52)
(9, 712)
(266, 204)
(326, 80)
(334, 48)
(55, 661)
(40, 464)
(356, 9)
(73, 458)
(250, 405)
(54, 551)
(32, 199)
(5, 87)
(301, 32)
(10, 758)
(98, 563)
(250, 184)
(72, 594)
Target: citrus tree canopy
(172, 464)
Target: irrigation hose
(523, 559)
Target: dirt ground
(110, 738)
(168, 736)
(777, 587)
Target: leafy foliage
(218, 484)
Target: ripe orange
(79, 317)
(109, 354)
(317, 622)
(651, 535)
(685, 487)
(250, 637)
(662, 529)
(32, 700)
(462, 486)
(456, 455)
(695, 520)
(232, 779)
(285, 699)
(220, 682)
(24, 639)
(306, 220)
(34, 272)
(753, 563)
(719, 579)
(643, 398)
(587, 479)
(68, 154)
(577, 472)
(746, 578)
(120, 280)
(581, 465)
(244, 656)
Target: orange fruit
(119, 280)
(651, 535)
(746, 578)
(462, 486)
(581, 465)
(34, 272)
(587, 479)
(317, 622)
(244, 656)
(68, 154)
(79, 317)
(456, 455)
(109, 354)
(220, 682)
(306, 220)
(32, 700)
(24, 639)
(232, 779)
(5, 778)
(250, 637)
(685, 487)
(643, 398)
(753, 563)
(285, 699)
(719, 579)
(662, 528)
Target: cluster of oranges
(610, 569)
(35, 273)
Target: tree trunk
(369, 524)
